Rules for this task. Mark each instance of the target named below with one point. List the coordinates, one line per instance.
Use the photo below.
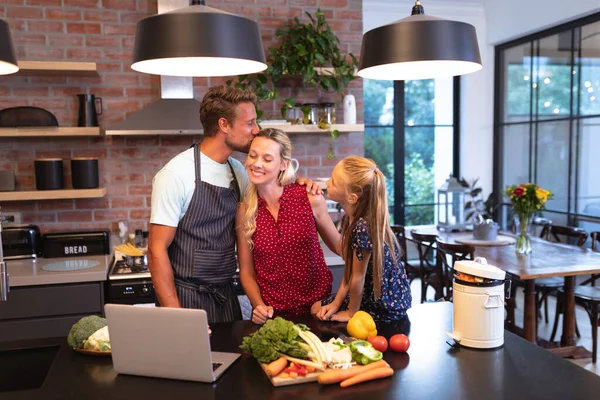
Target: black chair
(426, 248)
(445, 269)
(587, 297)
(412, 272)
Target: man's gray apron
(203, 250)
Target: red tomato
(378, 342)
(399, 343)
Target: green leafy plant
(476, 207)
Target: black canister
(84, 172)
(49, 174)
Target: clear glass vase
(523, 228)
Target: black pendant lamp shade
(198, 41)
(8, 61)
(419, 47)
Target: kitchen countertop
(430, 370)
(30, 272)
(331, 259)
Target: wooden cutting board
(277, 381)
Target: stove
(129, 285)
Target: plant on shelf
(305, 49)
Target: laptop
(164, 343)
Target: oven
(130, 285)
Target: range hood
(177, 112)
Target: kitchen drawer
(54, 300)
(38, 328)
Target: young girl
(282, 268)
(374, 278)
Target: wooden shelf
(52, 194)
(49, 131)
(314, 129)
(57, 68)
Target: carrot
(275, 367)
(373, 374)
(337, 375)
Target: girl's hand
(327, 311)
(342, 316)
(261, 313)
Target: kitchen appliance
(129, 284)
(88, 110)
(84, 172)
(26, 116)
(21, 241)
(75, 244)
(479, 291)
(49, 174)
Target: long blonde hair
(285, 177)
(362, 177)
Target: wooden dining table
(547, 259)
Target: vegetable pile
(274, 337)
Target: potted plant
(309, 50)
(480, 212)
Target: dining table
(547, 259)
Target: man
(191, 249)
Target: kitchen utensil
(84, 172)
(88, 110)
(49, 174)
(16, 117)
(479, 304)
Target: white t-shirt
(173, 186)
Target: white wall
(512, 19)
(476, 145)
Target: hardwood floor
(544, 329)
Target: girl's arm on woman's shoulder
(325, 225)
(246, 261)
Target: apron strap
(236, 185)
(211, 289)
(197, 161)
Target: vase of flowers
(527, 200)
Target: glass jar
(326, 113)
(309, 113)
(293, 115)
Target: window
(547, 117)
(418, 154)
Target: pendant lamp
(8, 61)
(198, 41)
(419, 47)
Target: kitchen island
(430, 370)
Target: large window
(547, 117)
(410, 132)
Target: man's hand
(261, 313)
(311, 187)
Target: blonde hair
(285, 177)
(362, 177)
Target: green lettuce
(275, 336)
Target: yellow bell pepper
(361, 326)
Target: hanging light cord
(417, 9)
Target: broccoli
(83, 329)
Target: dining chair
(426, 248)
(445, 268)
(549, 286)
(412, 272)
(587, 297)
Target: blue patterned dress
(395, 289)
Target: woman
(282, 268)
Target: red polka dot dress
(290, 268)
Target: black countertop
(430, 370)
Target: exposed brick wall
(102, 31)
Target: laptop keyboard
(216, 365)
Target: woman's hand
(342, 316)
(327, 311)
(261, 314)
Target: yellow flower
(542, 195)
